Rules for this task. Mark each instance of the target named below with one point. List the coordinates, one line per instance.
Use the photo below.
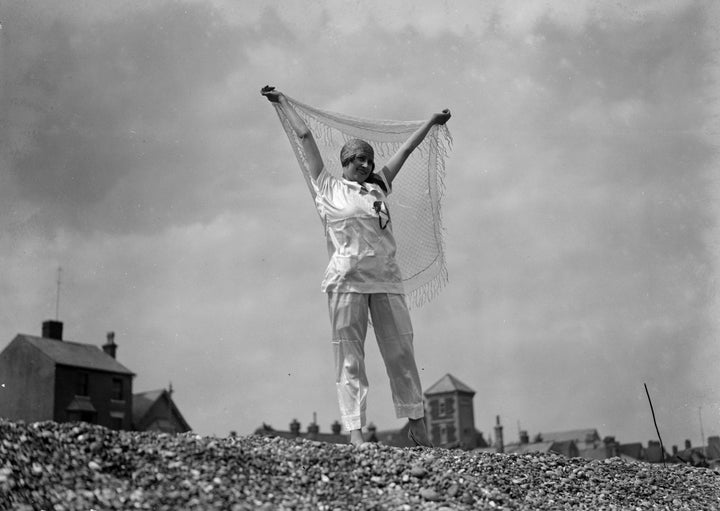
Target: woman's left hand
(273, 95)
(442, 117)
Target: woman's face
(359, 168)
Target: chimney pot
(110, 347)
(52, 329)
(524, 437)
(499, 443)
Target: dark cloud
(94, 102)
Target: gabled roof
(144, 401)
(75, 354)
(448, 383)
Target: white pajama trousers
(394, 334)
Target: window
(449, 406)
(118, 393)
(83, 383)
(116, 420)
(434, 409)
(451, 433)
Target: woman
(363, 276)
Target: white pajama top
(360, 241)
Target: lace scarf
(418, 189)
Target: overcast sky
(581, 222)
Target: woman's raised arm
(312, 152)
(395, 163)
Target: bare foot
(418, 433)
(356, 437)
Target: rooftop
(75, 354)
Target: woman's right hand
(270, 93)
(441, 117)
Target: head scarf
(355, 147)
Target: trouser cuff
(351, 422)
(416, 411)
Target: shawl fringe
(416, 201)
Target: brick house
(48, 378)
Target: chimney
(372, 430)
(499, 445)
(295, 427)
(611, 446)
(110, 347)
(688, 445)
(524, 438)
(336, 428)
(313, 428)
(52, 329)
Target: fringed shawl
(415, 203)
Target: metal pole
(662, 448)
(57, 298)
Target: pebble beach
(79, 466)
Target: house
(449, 418)
(633, 450)
(48, 378)
(450, 414)
(588, 438)
(703, 456)
(156, 411)
(654, 453)
(562, 446)
(313, 432)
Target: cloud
(580, 207)
(96, 104)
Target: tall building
(450, 415)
